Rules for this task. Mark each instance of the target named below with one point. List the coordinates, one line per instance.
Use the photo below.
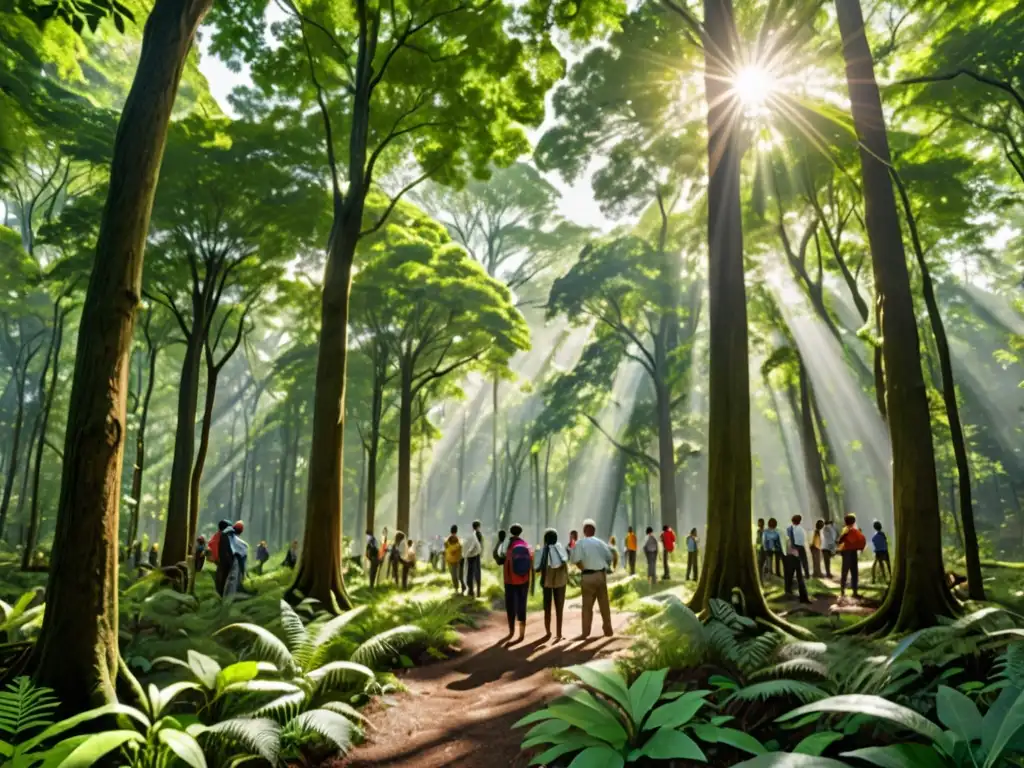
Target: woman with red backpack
(851, 544)
(517, 564)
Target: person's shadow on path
(495, 662)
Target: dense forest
(339, 269)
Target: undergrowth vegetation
(951, 695)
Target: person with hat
(594, 558)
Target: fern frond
(326, 633)
(726, 614)
(1010, 665)
(770, 689)
(258, 735)
(387, 644)
(348, 710)
(802, 649)
(791, 667)
(722, 642)
(296, 635)
(25, 706)
(266, 645)
(282, 708)
(337, 674)
(332, 727)
(757, 652)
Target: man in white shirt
(594, 558)
(472, 549)
(795, 561)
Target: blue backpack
(519, 555)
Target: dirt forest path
(459, 713)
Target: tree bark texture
(729, 566)
(77, 650)
(917, 594)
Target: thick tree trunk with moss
(19, 375)
(729, 566)
(77, 650)
(975, 585)
(918, 594)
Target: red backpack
(854, 539)
(213, 548)
(518, 563)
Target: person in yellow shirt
(631, 551)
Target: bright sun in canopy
(753, 85)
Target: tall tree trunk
(975, 586)
(319, 573)
(496, 485)
(292, 518)
(360, 506)
(404, 452)
(918, 594)
(666, 450)
(77, 650)
(462, 463)
(46, 405)
(140, 440)
(817, 494)
(19, 422)
(729, 564)
(278, 534)
(201, 452)
(535, 462)
(236, 513)
(547, 485)
(178, 526)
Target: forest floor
(459, 713)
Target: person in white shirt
(594, 558)
(795, 559)
(472, 549)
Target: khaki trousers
(595, 587)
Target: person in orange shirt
(631, 551)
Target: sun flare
(753, 85)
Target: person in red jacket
(668, 542)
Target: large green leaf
(184, 746)
(162, 698)
(603, 725)
(817, 743)
(267, 646)
(1012, 723)
(239, 672)
(73, 722)
(789, 760)
(533, 717)
(598, 757)
(958, 713)
(89, 752)
(204, 668)
(900, 756)
(678, 712)
(545, 733)
(644, 693)
(604, 677)
(872, 706)
(993, 720)
(715, 734)
(669, 744)
(549, 756)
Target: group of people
(399, 556)
(787, 550)
(549, 564)
(230, 553)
